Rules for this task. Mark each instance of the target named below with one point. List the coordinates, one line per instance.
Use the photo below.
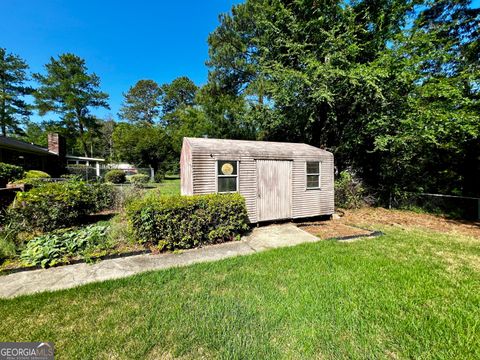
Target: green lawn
(170, 186)
(408, 294)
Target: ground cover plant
(53, 248)
(412, 293)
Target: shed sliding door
(274, 189)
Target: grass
(170, 186)
(408, 294)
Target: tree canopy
(69, 90)
(13, 108)
(391, 87)
(142, 103)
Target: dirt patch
(332, 229)
(379, 216)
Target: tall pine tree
(13, 108)
(69, 90)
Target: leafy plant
(51, 249)
(349, 191)
(159, 177)
(36, 174)
(139, 179)
(9, 173)
(115, 176)
(8, 237)
(182, 222)
(56, 205)
(33, 177)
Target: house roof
(10, 143)
(22, 146)
(254, 148)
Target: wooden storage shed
(278, 180)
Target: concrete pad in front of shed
(277, 236)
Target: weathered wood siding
(274, 189)
(313, 202)
(186, 178)
(305, 203)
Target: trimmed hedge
(183, 222)
(9, 173)
(56, 205)
(115, 176)
(36, 174)
(139, 179)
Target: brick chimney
(57, 144)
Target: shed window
(227, 176)
(313, 174)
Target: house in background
(52, 159)
(278, 180)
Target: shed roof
(254, 148)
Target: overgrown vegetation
(9, 173)
(56, 247)
(183, 222)
(349, 191)
(31, 237)
(50, 206)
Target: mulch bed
(369, 217)
(333, 229)
(361, 222)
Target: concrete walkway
(68, 276)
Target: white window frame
(319, 174)
(217, 175)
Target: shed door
(274, 192)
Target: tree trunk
(318, 138)
(82, 138)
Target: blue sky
(121, 41)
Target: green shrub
(36, 174)
(61, 204)
(33, 177)
(182, 222)
(9, 173)
(51, 249)
(115, 176)
(159, 177)
(139, 179)
(349, 191)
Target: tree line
(390, 87)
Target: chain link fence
(90, 173)
(455, 206)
